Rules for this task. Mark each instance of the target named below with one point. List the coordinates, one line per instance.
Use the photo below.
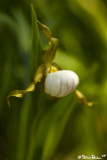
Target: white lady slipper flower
(58, 83)
(61, 83)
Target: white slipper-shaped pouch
(61, 83)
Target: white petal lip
(61, 83)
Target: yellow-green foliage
(38, 127)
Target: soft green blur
(38, 127)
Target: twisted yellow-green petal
(49, 54)
(46, 31)
(20, 93)
(43, 70)
(82, 99)
(30, 88)
(16, 93)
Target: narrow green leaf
(51, 128)
(23, 129)
(36, 44)
(34, 63)
(56, 130)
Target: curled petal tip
(46, 31)
(89, 104)
(82, 99)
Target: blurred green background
(37, 127)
